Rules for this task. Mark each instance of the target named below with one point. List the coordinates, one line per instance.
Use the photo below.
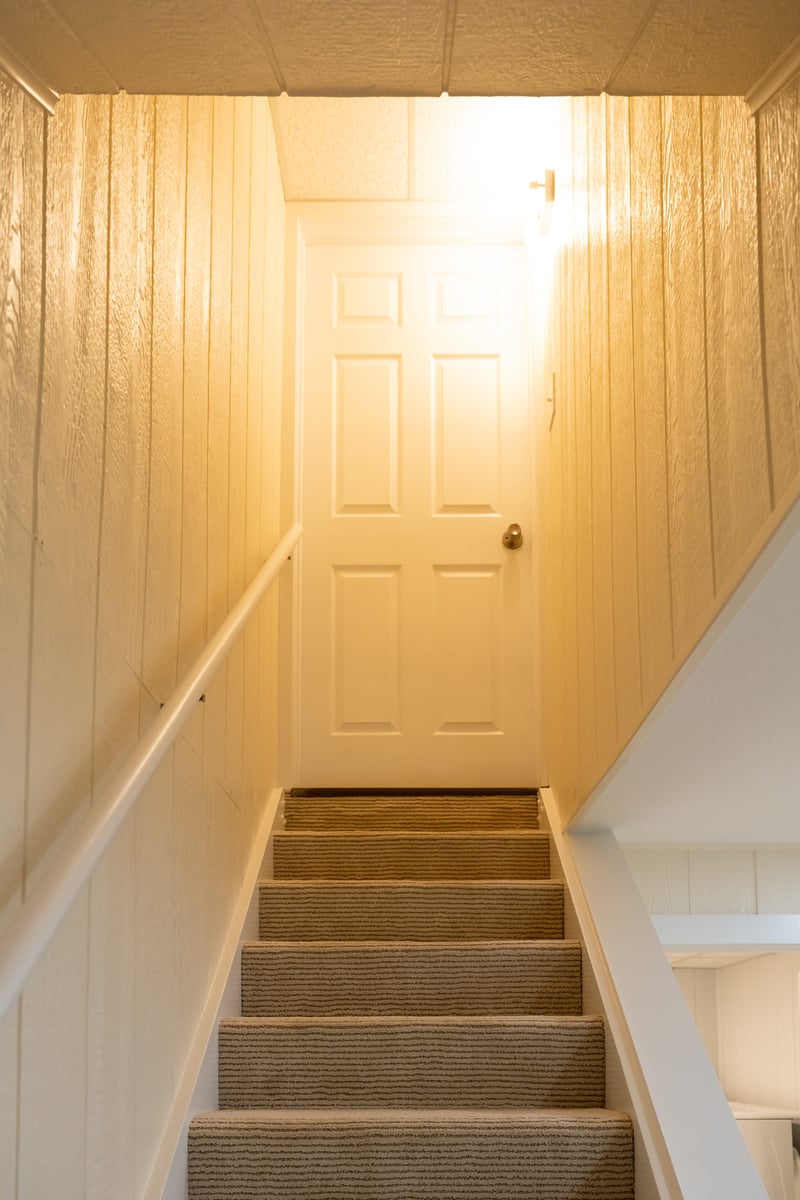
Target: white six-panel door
(416, 623)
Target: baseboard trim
(180, 1114)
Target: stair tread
(411, 812)
(386, 978)
(399, 1062)
(454, 1021)
(416, 855)
(447, 835)
(412, 1020)
(323, 945)
(531, 885)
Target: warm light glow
(491, 147)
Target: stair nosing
(411, 1116)
(334, 944)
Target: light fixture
(548, 187)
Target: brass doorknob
(512, 538)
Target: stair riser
(431, 913)
(411, 812)
(411, 856)
(524, 979)
(519, 1066)
(430, 1163)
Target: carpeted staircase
(412, 1022)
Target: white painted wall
(716, 879)
(748, 1014)
(141, 267)
(699, 989)
(759, 1030)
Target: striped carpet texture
(293, 909)
(449, 813)
(409, 1062)
(412, 1020)
(337, 854)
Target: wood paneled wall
(675, 447)
(716, 879)
(141, 288)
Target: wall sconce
(545, 205)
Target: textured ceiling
(399, 47)
(444, 148)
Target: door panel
(416, 625)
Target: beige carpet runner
(412, 1025)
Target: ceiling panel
(552, 48)
(400, 47)
(361, 48)
(335, 149)
(178, 46)
(37, 35)
(708, 47)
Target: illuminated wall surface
(674, 452)
(141, 247)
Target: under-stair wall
(141, 290)
(674, 449)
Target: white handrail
(29, 932)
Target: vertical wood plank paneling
(662, 877)
(165, 515)
(602, 552)
(583, 446)
(779, 137)
(219, 359)
(759, 1067)
(123, 549)
(17, 423)
(223, 817)
(237, 475)
(691, 547)
(9, 1100)
(566, 531)
(157, 1023)
(272, 343)
(194, 529)
(22, 134)
(627, 636)
(740, 484)
(647, 314)
(111, 1079)
(255, 457)
(191, 808)
(108, 1016)
(111, 996)
(191, 901)
(722, 880)
(553, 552)
(778, 879)
(70, 469)
(53, 1105)
(21, 246)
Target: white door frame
(346, 223)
